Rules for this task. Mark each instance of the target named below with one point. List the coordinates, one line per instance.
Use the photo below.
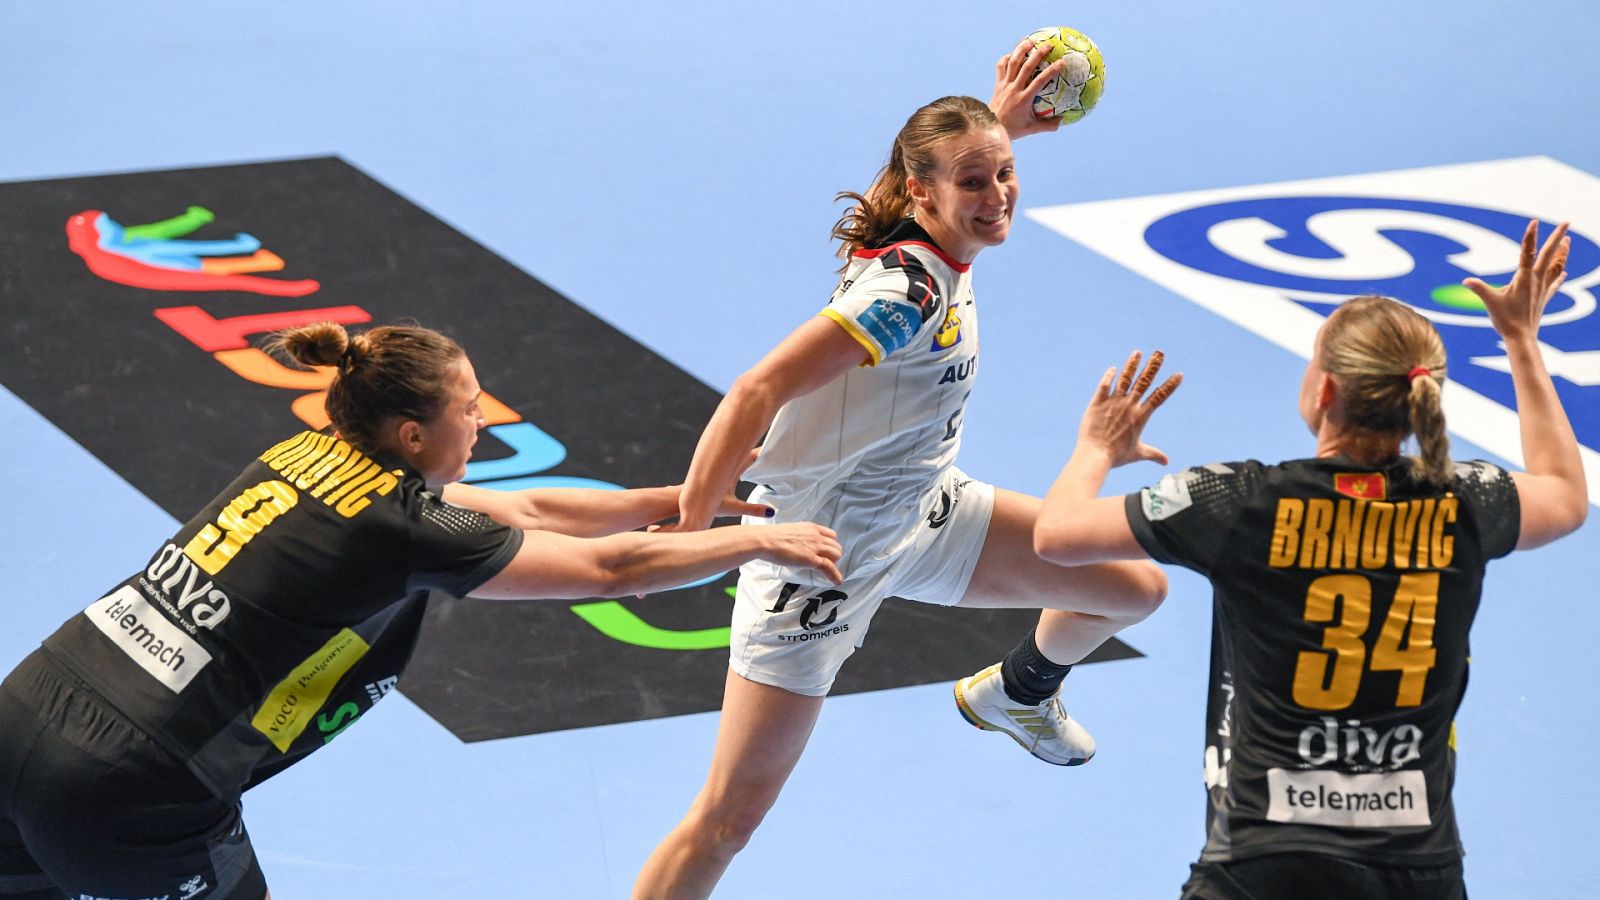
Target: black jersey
(1343, 596)
(229, 646)
(395, 631)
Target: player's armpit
(509, 508)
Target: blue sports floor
(706, 140)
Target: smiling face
(440, 447)
(967, 201)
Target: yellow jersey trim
(874, 355)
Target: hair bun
(320, 344)
(357, 348)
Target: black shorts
(91, 806)
(1313, 876)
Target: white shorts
(797, 636)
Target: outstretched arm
(556, 566)
(1077, 526)
(811, 356)
(1553, 492)
(583, 512)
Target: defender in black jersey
(1345, 588)
(277, 615)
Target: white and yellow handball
(1070, 95)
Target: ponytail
(1389, 363)
(1427, 423)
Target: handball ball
(1070, 95)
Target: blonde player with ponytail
(1345, 586)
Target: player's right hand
(803, 545)
(1017, 80)
(696, 506)
(1119, 410)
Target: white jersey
(863, 454)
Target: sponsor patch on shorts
(138, 629)
(1367, 800)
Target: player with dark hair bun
(127, 739)
(1345, 586)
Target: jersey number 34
(1416, 604)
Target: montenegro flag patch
(1362, 485)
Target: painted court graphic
(1277, 258)
(151, 256)
(171, 391)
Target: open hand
(804, 545)
(1119, 409)
(1514, 310)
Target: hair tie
(347, 360)
(1418, 371)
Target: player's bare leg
(760, 738)
(1082, 607)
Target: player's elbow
(1573, 513)
(625, 566)
(757, 392)
(1551, 509)
(527, 515)
(616, 579)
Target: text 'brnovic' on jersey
(1343, 597)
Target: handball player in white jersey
(862, 410)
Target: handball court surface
(617, 208)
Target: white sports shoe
(1045, 730)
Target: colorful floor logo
(170, 391)
(150, 256)
(1277, 258)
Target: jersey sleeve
(1493, 497)
(885, 310)
(1185, 518)
(455, 550)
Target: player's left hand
(1015, 86)
(1119, 409)
(1515, 309)
(731, 506)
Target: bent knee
(724, 836)
(726, 827)
(1146, 590)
